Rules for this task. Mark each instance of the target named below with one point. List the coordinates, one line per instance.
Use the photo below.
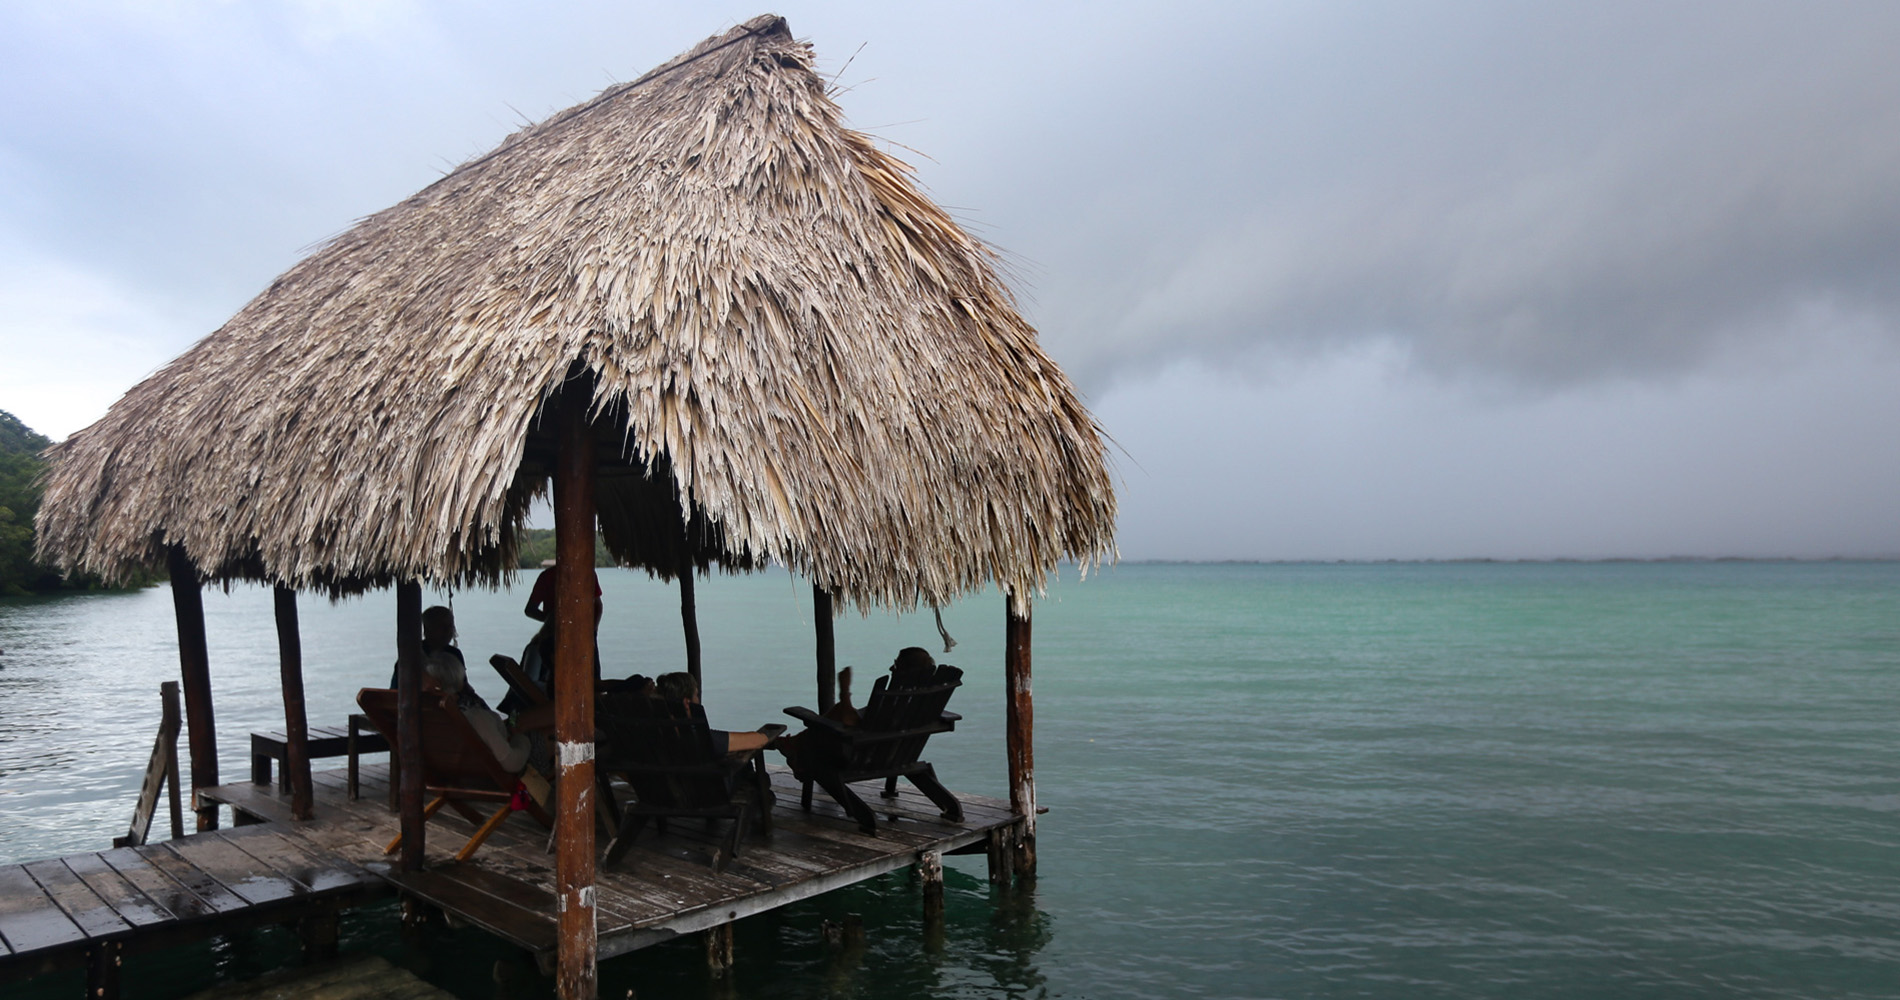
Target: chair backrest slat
(453, 754)
(664, 749)
(906, 699)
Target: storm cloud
(1663, 236)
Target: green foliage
(537, 545)
(19, 498)
(20, 468)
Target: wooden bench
(359, 737)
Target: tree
(20, 466)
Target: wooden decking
(55, 913)
(89, 907)
(664, 888)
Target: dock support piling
(168, 707)
(930, 870)
(719, 953)
(689, 622)
(1002, 857)
(578, 934)
(821, 617)
(296, 722)
(409, 721)
(317, 931)
(1020, 725)
(194, 667)
(103, 960)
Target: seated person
(680, 687)
(910, 660)
(444, 670)
(537, 661)
(636, 683)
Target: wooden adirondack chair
(664, 749)
(905, 709)
(458, 769)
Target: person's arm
(736, 742)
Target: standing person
(541, 596)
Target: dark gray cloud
(1345, 279)
(1554, 193)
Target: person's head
(438, 626)
(641, 684)
(678, 686)
(913, 657)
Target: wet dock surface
(59, 912)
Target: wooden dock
(664, 888)
(56, 913)
(92, 907)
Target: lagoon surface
(1388, 780)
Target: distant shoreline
(1479, 560)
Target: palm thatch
(789, 353)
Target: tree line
(21, 466)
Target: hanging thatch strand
(797, 357)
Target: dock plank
(29, 919)
(161, 888)
(260, 801)
(523, 927)
(86, 909)
(237, 871)
(126, 899)
(201, 884)
(279, 854)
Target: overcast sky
(1341, 280)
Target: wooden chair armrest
(811, 718)
(864, 736)
(951, 718)
(518, 679)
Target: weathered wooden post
(930, 870)
(578, 934)
(719, 949)
(103, 960)
(689, 621)
(194, 667)
(409, 721)
(168, 721)
(821, 618)
(1020, 726)
(296, 722)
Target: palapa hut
(711, 313)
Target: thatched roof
(785, 345)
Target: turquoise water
(1393, 780)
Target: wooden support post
(1002, 855)
(821, 618)
(317, 930)
(930, 870)
(296, 722)
(719, 949)
(689, 621)
(168, 709)
(409, 721)
(578, 938)
(194, 666)
(162, 768)
(1020, 726)
(103, 959)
